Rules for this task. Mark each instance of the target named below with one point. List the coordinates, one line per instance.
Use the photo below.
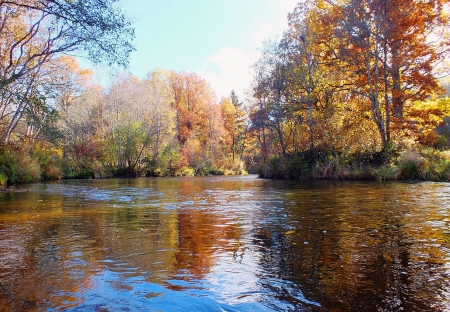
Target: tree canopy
(33, 31)
(349, 84)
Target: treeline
(56, 123)
(36, 78)
(169, 124)
(349, 87)
(350, 90)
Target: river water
(225, 244)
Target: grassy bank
(42, 162)
(425, 164)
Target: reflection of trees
(298, 245)
(144, 239)
(377, 253)
(44, 254)
(55, 247)
(200, 236)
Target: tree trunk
(396, 84)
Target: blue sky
(218, 40)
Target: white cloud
(229, 69)
(277, 24)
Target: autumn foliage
(345, 80)
(346, 90)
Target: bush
(437, 165)
(387, 172)
(160, 172)
(52, 172)
(411, 165)
(329, 165)
(408, 171)
(274, 168)
(3, 180)
(27, 169)
(329, 169)
(7, 165)
(212, 171)
(74, 170)
(184, 172)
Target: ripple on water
(225, 243)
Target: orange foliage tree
(345, 74)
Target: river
(225, 244)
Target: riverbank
(20, 165)
(10, 190)
(426, 164)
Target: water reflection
(225, 243)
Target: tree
(240, 128)
(130, 134)
(84, 124)
(387, 51)
(193, 100)
(33, 31)
(303, 50)
(234, 123)
(417, 41)
(259, 124)
(270, 87)
(35, 99)
(160, 116)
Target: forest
(353, 89)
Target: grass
(425, 164)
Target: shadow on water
(225, 243)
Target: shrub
(408, 171)
(213, 171)
(99, 170)
(184, 172)
(387, 172)
(274, 168)
(7, 165)
(26, 169)
(52, 172)
(328, 169)
(77, 170)
(411, 165)
(3, 180)
(160, 172)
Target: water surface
(225, 244)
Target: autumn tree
(233, 119)
(260, 129)
(270, 88)
(216, 132)
(130, 135)
(389, 53)
(167, 124)
(193, 102)
(33, 31)
(160, 115)
(35, 100)
(302, 49)
(83, 128)
(240, 128)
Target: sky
(219, 40)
